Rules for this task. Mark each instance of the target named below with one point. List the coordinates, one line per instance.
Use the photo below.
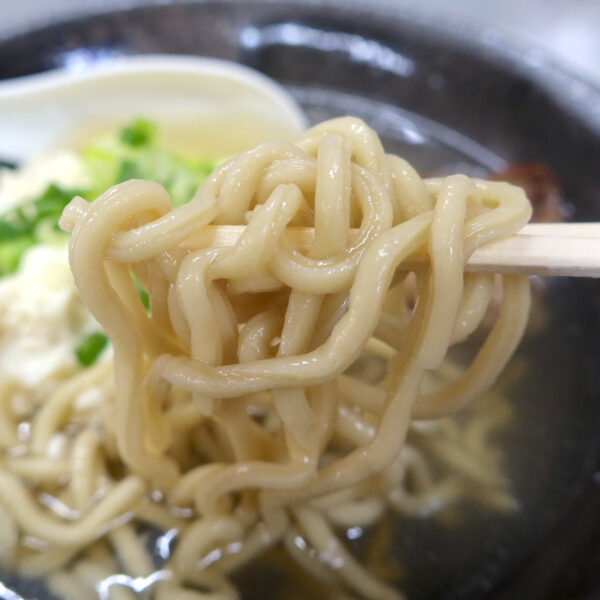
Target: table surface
(567, 30)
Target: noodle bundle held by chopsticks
(269, 391)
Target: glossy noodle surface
(269, 395)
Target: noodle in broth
(247, 408)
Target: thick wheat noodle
(40, 468)
(238, 402)
(8, 435)
(9, 534)
(123, 498)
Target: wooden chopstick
(557, 249)
(565, 249)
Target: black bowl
(449, 99)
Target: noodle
(268, 395)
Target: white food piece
(42, 318)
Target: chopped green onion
(129, 169)
(31, 223)
(90, 348)
(11, 252)
(139, 133)
(134, 154)
(142, 293)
